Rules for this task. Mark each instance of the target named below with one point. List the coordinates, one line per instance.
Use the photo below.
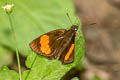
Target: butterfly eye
(76, 29)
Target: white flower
(8, 8)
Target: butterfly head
(74, 27)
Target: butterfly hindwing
(68, 54)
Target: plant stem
(17, 53)
(18, 61)
(12, 28)
(31, 67)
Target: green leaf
(75, 78)
(5, 56)
(6, 74)
(44, 69)
(32, 19)
(96, 78)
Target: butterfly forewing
(47, 43)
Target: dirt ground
(102, 57)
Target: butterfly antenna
(89, 24)
(77, 21)
(69, 18)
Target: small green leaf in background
(6, 74)
(75, 78)
(96, 78)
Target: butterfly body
(56, 44)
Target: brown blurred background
(102, 57)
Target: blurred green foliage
(75, 78)
(32, 19)
(6, 56)
(96, 78)
(6, 74)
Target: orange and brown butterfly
(58, 43)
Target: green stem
(12, 29)
(31, 67)
(17, 53)
(18, 61)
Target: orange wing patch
(69, 52)
(44, 41)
